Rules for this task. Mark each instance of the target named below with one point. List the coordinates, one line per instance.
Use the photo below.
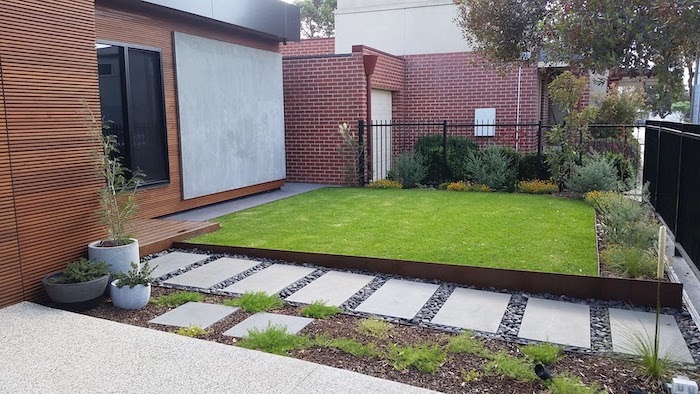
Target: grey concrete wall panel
(231, 113)
(272, 17)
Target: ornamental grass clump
(319, 310)
(274, 339)
(537, 186)
(630, 261)
(542, 353)
(254, 302)
(425, 358)
(179, 298)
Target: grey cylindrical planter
(130, 297)
(117, 258)
(70, 293)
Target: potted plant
(82, 282)
(117, 203)
(132, 290)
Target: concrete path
(239, 204)
(46, 350)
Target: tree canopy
(642, 37)
(317, 17)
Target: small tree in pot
(132, 290)
(117, 202)
(79, 285)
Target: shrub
(566, 384)
(431, 148)
(491, 167)
(542, 353)
(532, 166)
(351, 346)
(461, 186)
(617, 107)
(192, 331)
(627, 222)
(630, 261)
(385, 184)
(537, 187)
(512, 367)
(319, 310)
(81, 270)
(256, 302)
(596, 173)
(374, 328)
(626, 169)
(465, 343)
(179, 298)
(137, 275)
(274, 339)
(408, 169)
(425, 358)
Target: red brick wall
(319, 94)
(314, 46)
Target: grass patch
(319, 310)
(351, 346)
(425, 358)
(467, 344)
(192, 331)
(512, 367)
(542, 353)
(544, 233)
(256, 302)
(374, 328)
(566, 384)
(274, 339)
(177, 299)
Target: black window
(132, 104)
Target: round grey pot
(70, 293)
(130, 297)
(117, 258)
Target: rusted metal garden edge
(635, 292)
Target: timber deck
(156, 235)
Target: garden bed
(457, 373)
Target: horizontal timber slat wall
(47, 178)
(142, 25)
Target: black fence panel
(668, 172)
(688, 211)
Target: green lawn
(516, 231)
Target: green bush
(431, 148)
(492, 167)
(351, 346)
(627, 222)
(542, 353)
(567, 384)
(274, 339)
(179, 298)
(256, 302)
(532, 166)
(374, 328)
(626, 168)
(319, 310)
(408, 169)
(425, 358)
(512, 367)
(465, 343)
(596, 173)
(630, 261)
(81, 270)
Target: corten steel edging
(635, 292)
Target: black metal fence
(387, 139)
(672, 168)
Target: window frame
(127, 103)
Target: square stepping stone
(628, 327)
(194, 313)
(398, 298)
(212, 273)
(564, 323)
(473, 310)
(271, 280)
(261, 321)
(333, 287)
(174, 261)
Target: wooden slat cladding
(116, 21)
(10, 269)
(49, 71)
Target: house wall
(310, 47)
(47, 178)
(125, 22)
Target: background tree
(317, 18)
(646, 37)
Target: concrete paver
(629, 327)
(194, 314)
(174, 261)
(42, 348)
(564, 323)
(271, 280)
(333, 287)
(212, 273)
(398, 298)
(473, 310)
(261, 321)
